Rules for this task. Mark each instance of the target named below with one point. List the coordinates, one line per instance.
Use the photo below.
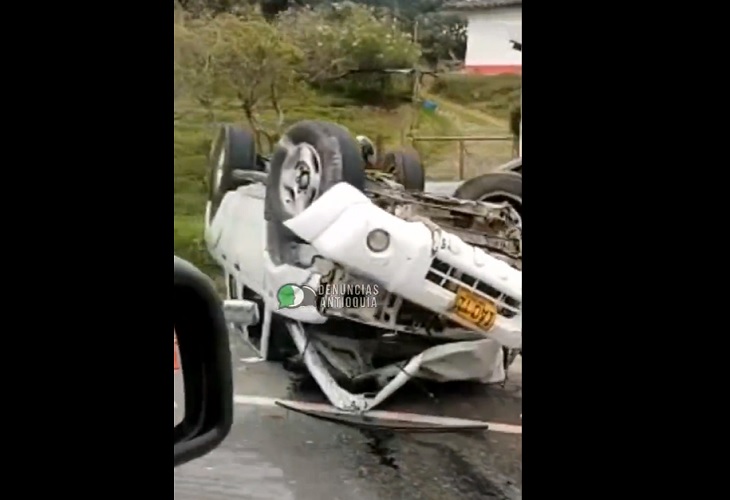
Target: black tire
(514, 165)
(339, 153)
(341, 160)
(406, 167)
(495, 187)
(239, 147)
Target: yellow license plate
(475, 310)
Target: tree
(346, 37)
(241, 57)
(253, 62)
(442, 37)
(194, 76)
(269, 8)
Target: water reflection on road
(272, 453)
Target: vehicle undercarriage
(359, 356)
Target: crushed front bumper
(423, 265)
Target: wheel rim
(512, 200)
(300, 179)
(366, 144)
(208, 213)
(218, 175)
(502, 196)
(216, 178)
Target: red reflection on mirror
(177, 359)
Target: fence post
(462, 159)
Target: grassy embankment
(467, 106)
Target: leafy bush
(497, 95)
(443, 38)
(241, 58)
(345, 37)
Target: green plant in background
(494, 94)
(345, 38)
(266, 74)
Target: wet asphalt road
(277, 454)
(272, 453)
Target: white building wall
(488, 35)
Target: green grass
(494, 95)
(190, 194)
(193, 131)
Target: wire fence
(444, 157)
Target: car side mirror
(203, 379)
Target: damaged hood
(310, 224)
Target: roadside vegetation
(495, 95)
(266, 70)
